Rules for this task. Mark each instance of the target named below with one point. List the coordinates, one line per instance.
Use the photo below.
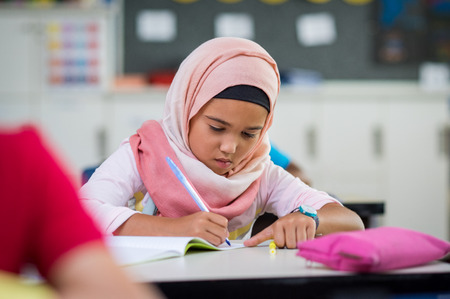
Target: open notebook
(129, 250)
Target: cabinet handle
(377, 136)
(444, 141)
(101, 139)
(311, 142)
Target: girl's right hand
(209, 226)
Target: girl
(217, 113)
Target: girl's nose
(228, 145)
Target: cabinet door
(19, 53)
(127, 112)
(293, 129)
(17, 109)
(349, 157)
(417, 167)
(75, 124)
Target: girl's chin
(221, 172)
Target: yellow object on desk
(272, 248)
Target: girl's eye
(249, 135)
(216, 129)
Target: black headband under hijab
(246, 93)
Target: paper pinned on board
(316, 29)
(235, 25)
(156, 25)
(434, 76)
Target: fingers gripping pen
(195, 196)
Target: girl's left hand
(286, 231)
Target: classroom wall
(341, 119)
(351, 56)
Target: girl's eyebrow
(225, 123)
(218, 120)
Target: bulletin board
(73, 53)
(351, 54)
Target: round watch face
(308, 210)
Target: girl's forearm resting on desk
(335, 218)
(209, 226)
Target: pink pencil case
(375, 249)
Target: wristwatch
(308, 211)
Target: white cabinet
(373, 141)
(71, 115)
(127, 111)
(294, 128)
(417, 165)
(19, 67)
(19, 52)
(335, 137)
(349, 162)
(75, 123)
(17, 109)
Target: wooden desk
(253, 273)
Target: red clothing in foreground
(40, 214)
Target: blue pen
(189, 188)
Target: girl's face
(224, 131)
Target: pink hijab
(212, 67)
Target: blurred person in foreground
(44, 224)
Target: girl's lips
(223, 163)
